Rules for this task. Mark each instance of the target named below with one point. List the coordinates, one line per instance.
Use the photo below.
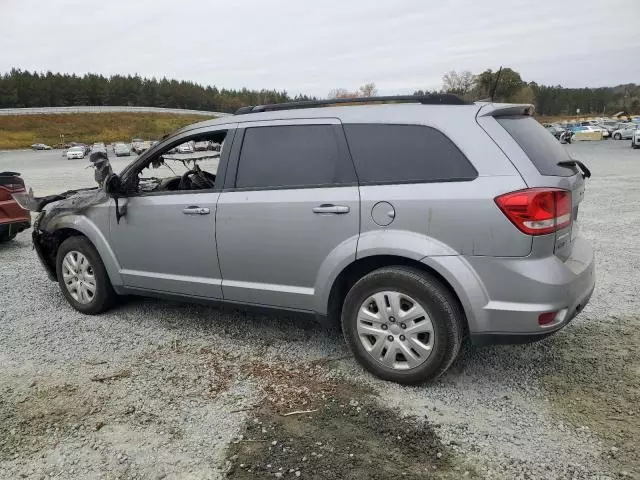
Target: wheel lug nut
(390, 338)
(402, 338)
(392, 319)
(384, 326)
(402, 325)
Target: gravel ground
(162, 390)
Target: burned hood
(73, 201)
(70, 200)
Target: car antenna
(495, 85)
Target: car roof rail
(433, 99)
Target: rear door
(536, 155)
(290, 200)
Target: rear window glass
(543, 149)
(405, 154)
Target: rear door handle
(330, 208)
(193, 210)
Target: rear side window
(405, 154)
(292, 156)
(542, 149)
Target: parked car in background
(470, 233)
(136, 144)
(140, 146)
(201, 146)
(99, 147)
(586, 132)
(84, 146)
(121, 149)
(75, 152)
(13, 218)
(186, 147)
(593, 125)
(635, 140)
(562, 134)
(41, 146)
(606, 130)
(625, 131)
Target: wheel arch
(362, 266)
(50, 241)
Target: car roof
(377, 113)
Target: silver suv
(415, 223)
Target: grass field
(20, 131)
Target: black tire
(443, 309)
(617, 136)
(104, 296)
(7, 237)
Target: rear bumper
(514, 338)
(515, 291)
(13, 214)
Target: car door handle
(193, 210)
(330, 208)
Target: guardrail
(104, 109)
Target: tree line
(20, 88)
(548, 100)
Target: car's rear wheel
(617, 136)
(402, 325)
(82, 277)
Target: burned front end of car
(56, 219)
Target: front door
(293, 201)
(167, 243)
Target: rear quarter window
(385, 153)
(543, 149)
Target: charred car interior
(173, 170)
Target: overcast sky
(306, 46)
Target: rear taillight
(13, 187)
(537, 211)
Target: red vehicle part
(13, 218)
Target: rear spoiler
(505, 109)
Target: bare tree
(368, 90)
(458, 83)
(342, 93)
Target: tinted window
(542, 149)
(291, 156)
(405, 154)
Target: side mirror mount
(113, 187)
(112, 184)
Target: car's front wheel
(82, 277)
(402, 325)
(617, 136)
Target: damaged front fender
(76, 212)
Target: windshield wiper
(586, 173)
